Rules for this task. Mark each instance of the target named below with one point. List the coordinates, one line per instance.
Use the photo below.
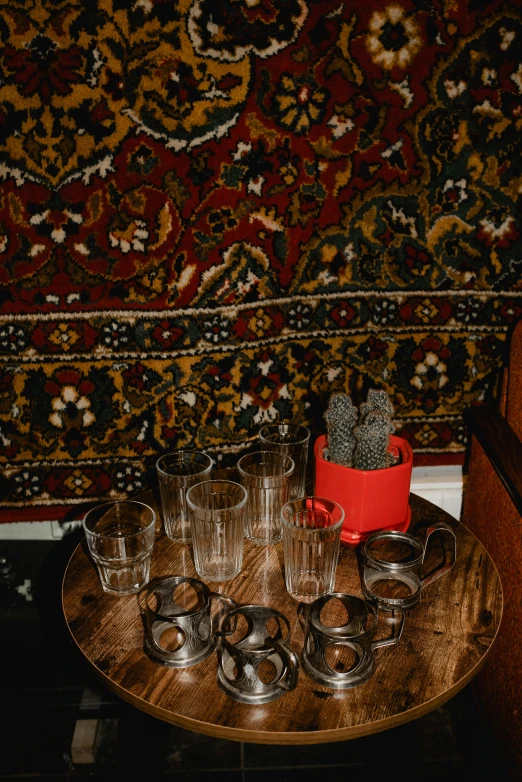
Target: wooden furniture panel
(492, 509)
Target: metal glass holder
(260, 665)
(396, 560)
(192, 632)
(326, 649)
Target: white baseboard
(442, 485)
(36, 530)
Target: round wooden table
(445, 641)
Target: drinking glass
(266, 477)
(120, 537)
(216, 510)
(291, 440)
(178, 471)
(311, 535)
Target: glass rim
(204, 470)
(289, 426)
(111, 504)
(282, 456)
(335, 506)
(240, 504)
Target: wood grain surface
(445, 641)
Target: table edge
(294, 738)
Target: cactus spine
(341, 418)
(359, 437)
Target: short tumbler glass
(120, 537)
(291, 440)
(178, 471)
(266, 477)
(311, 535)
(216, 510)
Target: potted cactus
(363, 466)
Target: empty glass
(178, 471)
(292, 440)
(266, 477)
(216, 510)
(311, 535)
(120, 537)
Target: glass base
(308, 586)
(124, 590)
(218, 576)
(264, 541)
(175, 539)
(126, 580)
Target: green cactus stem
(341, 417)
(359, 437)
(376, 400)
(372, 440)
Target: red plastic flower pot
(371, 499)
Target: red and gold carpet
(215, 214)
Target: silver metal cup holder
(255, 662)
(341, 655)
(180, 637)
(393, 565)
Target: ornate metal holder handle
(178, 637)
(259, 666)
(396, 619)
(342, 656)
(226, 606)
(446, 566)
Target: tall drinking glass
(311, 535)
(291, 440)
(266, 476)
(178, 471)
(216, 511)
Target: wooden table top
(445, 641)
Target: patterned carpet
(215, 214)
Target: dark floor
(47, 689)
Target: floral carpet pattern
(214, 214)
